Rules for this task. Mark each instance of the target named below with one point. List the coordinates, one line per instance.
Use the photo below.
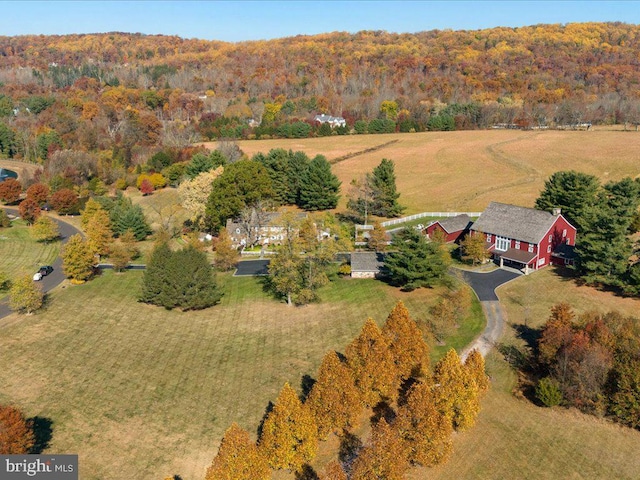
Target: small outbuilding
(366, 264)
(452, 228)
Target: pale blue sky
(251, 20)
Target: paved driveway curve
(485, 284)
(56, 277)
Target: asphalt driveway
(485, 284)
(252, 268)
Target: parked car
(42, 272)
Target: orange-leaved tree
(334, 399)
(238, 458)
(16, 433)
(425, 430)
(410, 351)
(374, 370)
(556, 332)
(456, 391)
(384, 456)
(289, 436)
(475, 365)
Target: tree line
(589, 361)
(386, 370)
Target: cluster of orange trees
(416, 409)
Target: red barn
(452, 228)
(526, 238)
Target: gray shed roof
(455, 224)
(366, 261)
(519, 223)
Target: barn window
(551, 238)
(517, 245)
(502, 243)
(564, 233)
(548, 248)
(531, 248)
(488, 237)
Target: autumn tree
(5, 221)
(16, 432)
(474, 248)
(77, 259)
(146, 188)
(289, 436)
(408, 349)
(474, 364)
(29, 210)
(334, 400)
(119, 256)
(373, 366)
(425, 430)
(333, 471)
(90, 208)
(99, 233)
(557, 332)
(10, 190)
(226, 255)
(383, 457)
(44, 230)
(39, 193)
(457, 394)
(378, 237)
(64, 201)
(194, 193)
(25, 295)
(238, 458)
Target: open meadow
(465, 170)
(20, 253)
(141, 392)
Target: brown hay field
(465, 170)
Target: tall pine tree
(320, 188)
(385, 194)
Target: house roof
(367, 261)
(455, 224)
(519, 223)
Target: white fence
(396, 221)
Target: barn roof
(367, 261)
(519, 223)
(455, 224)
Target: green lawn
(20, 254)
(141, 392)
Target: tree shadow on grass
(267, 411)
(529, 335)
(43, 433)
(307, 473)
(350, 446)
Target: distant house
(452, 228)
(366, 264)
(332, 121)
(526, 238)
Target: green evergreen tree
(385, 195)
(320, 188)
(415, 262)
(156, 274)
(128, 217)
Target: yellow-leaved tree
(475, 366)
(334, 400)
(238, 458)
(289, 436)
(374, 370)
(383, 457)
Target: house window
(550, 238)
(502, 243)
(531, 248)
(488, 237)
(548, 248)
(564, 233)
(517, 245)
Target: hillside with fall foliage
(97, 91)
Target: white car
(37, 277)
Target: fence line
(396, 221)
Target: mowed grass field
(143, 393)
(20, 253)
(465, 170)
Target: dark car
(42, 272)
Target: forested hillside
(94, 92)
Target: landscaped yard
(21, 254)
(141, 392)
